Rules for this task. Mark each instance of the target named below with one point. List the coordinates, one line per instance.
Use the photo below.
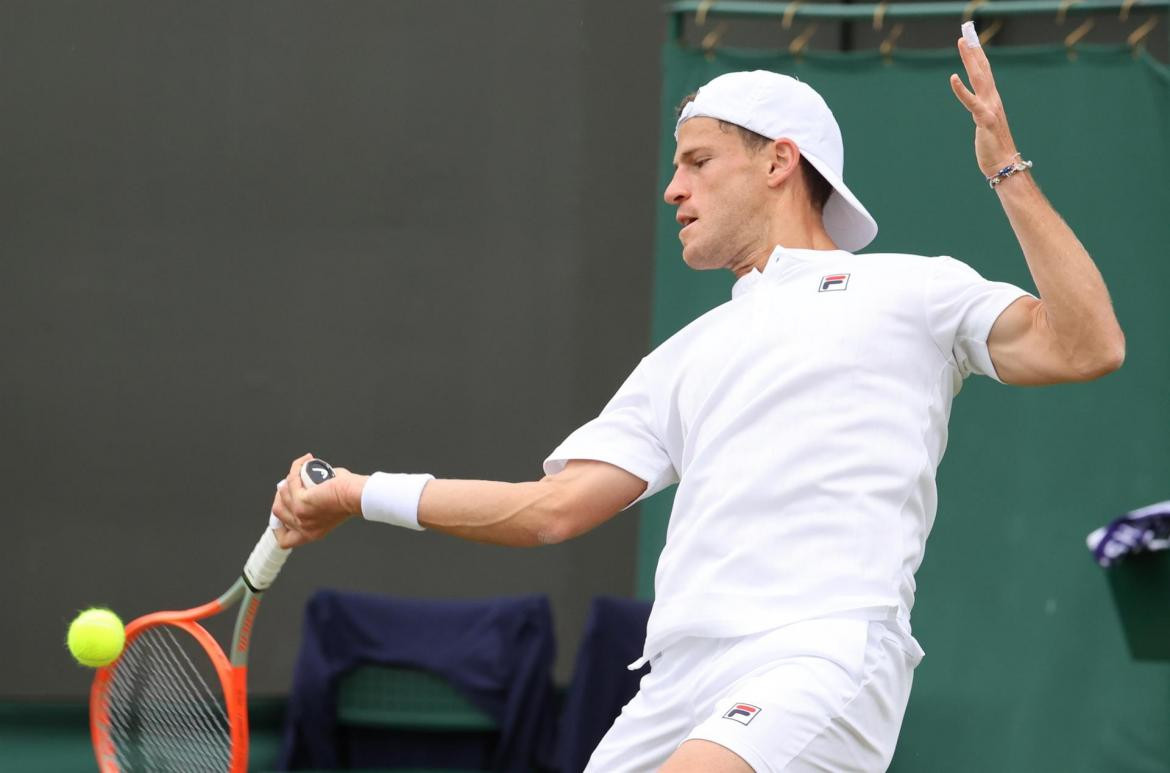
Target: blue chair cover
(614, 635)
(496, 652)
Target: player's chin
(696, 257)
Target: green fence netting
(1027, 669)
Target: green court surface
(53, 737)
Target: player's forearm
(514, 514)
(518, 514)
(1074, 298)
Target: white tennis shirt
(803, 421)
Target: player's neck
(806, 232)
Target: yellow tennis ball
(96, 637)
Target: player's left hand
(309, 513)
(994, 146)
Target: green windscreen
(1026, 668)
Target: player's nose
(675, 193)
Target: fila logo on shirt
(742, 713)
(834, 282)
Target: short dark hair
(815, 183)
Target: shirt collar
(780, 254)
(748, 280)
(745, 283)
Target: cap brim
(849, 223)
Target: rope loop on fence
(800, 42)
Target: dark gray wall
(409, 236)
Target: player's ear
(783, 161)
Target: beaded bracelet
(1016, 166)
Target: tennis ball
(96, 637)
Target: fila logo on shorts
(834, 282)
(742, 713)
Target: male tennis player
(803, 421)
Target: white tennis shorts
(819, 695)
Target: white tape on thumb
(970, 35)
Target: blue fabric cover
(496, 652)
(602, 685)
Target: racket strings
(163, 713)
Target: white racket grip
(273, 521)
(265, 562)
(267, 557)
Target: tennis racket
(174, 701)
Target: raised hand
(994, 146)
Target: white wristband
(393, 498)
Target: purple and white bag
(1138, 531)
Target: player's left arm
(1071, 333)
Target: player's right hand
(309, 513)
(994, 146)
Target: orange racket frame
(232, 672)
(260, 570)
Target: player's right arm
(558, 507)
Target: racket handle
(265, 562)
(267, 557)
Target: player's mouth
(685, 221)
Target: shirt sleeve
(625, 435)
(961, 308)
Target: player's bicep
(590, 493)
(1023, 349)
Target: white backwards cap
(778, 106)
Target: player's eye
(700, 161)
